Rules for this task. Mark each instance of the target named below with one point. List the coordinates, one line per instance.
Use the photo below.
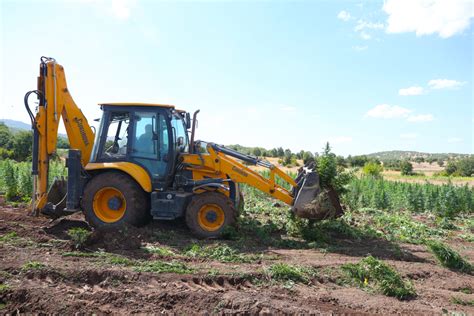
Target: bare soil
(69, 285)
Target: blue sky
(365, 76)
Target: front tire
(209, 213)
(114, 200)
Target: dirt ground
(68, 285)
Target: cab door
(151, 141)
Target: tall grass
(16, 181)
(445, 200)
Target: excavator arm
(55, 103)
(222, 162)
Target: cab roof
(138, 104)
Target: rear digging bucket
(56, 199)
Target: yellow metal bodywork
(219, 165)
(133, 170)
(59, 103)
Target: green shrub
(371, 271)
(286, 272)
(32, 265)
(79, 236)
(163, 267)
(330, 175)
(460, 301)
(16, 180)
(223, 253)
(406, 168)
(372, 169)
(445, 200)
(449, 258)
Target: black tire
(136, 210)
(209, 199)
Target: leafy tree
(62, 143)
(257, 152)
(280, 152)
(406, 168)
(419, 159)
(287, 159)
(440, 163)
(5, 136)
(327, 166)
(22, 143)
(308, 157)
(451, 167)
(273, 153)
(341, 162)
(373, 169)
(329, 173)
(5, 154)
(357, 161)
(465, 166)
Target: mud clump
(126, 238)
(325, 206)
(61, 228)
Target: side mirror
(180, 141)
(188, 120)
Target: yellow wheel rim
(109, 204)
(211, 217)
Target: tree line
(17, 145)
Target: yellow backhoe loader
(141, 165)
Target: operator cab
(149, 135)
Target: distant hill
(16, 125)
(382, 155)
(402, 154)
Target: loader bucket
(312, 201)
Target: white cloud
(340, 139)
(360, 48)
(121, 8)
(386, 111)
(361, 25)
(408, 136)
(425, 17)
(454, 140)
(420, 118)
(365, 36)
(344, 16)
(445, 84)
(288, 108)
(411, 91)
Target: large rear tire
(209, 213)
(114, 200)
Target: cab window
(180, 136)
(116, 141)
(151, 144)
